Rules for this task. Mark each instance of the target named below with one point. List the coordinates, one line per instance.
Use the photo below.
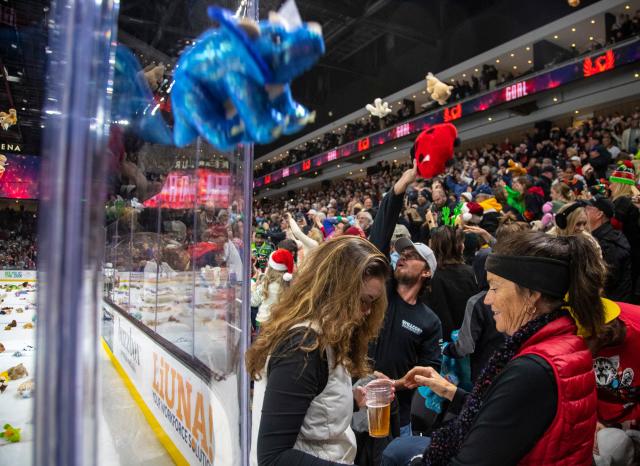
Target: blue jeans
(402, 449)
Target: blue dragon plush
(232, 85)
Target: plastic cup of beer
(379, 407)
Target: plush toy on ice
(433, 148)
(438, 90)
(232, 86)
(10, 433)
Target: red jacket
(616, 368)
(569, 439)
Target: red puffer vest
(569, 439)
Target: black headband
(548, 276)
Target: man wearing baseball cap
(616, 250)
(411, 333)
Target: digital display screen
(19, 176)
(594, 64)
(186, 189)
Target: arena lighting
(541, 82)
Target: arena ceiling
(374, 47)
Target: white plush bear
(438, 90)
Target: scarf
(446, 441)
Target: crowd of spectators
(500, 213)
(625, 27)
(18, 239)
(517, 181)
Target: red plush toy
(434, 148)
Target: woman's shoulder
(297, 338)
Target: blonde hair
(622, 190)
(564, 191)
(326, 291)
(572, 219)
(316, 235)
(269, 277)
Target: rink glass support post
(252, 11)
(71, 230)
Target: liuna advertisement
(201, 421)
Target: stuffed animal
(379, 108)
(16, 372)
(472, 213)
(438, 90)
(516, 169)
(7, 120)
(25, 389)
(547, 217)
(433, 148)
(133, 105)
(3, 167)
(10, 434)
(232, 86)
(154, 75)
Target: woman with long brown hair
(315, 341)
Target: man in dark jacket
(411, 332)
(616, 250)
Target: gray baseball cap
(425, 252)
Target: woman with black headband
(535, 402)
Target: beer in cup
(379, 407)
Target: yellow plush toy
(7, 120)
(438, 90)
(516, 169)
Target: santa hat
(355, 231)
(281, 260)
(472, 212)
(624, 174)
(433, 148)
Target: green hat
(625, 174)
